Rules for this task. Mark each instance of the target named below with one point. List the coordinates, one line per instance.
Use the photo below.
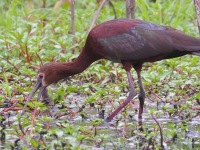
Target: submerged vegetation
(31, 36)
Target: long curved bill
(36, 87)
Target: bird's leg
(45, 97)
(131, 95)
(141, 94)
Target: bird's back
(137, 40)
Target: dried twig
(96, 15)
(33, 121)
(130, 6)
(12, 108)
(21, 128)
(161, 135)
(12, 64)
(43, 4)
(124, 128)
(72, 17)
(41, 62)
(111, 5)
(30, 4)
(154, 94)
(6, 110)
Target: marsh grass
(32, 37)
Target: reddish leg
(141, 94)
(127, 66)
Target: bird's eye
(40, 75)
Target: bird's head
(48, 74)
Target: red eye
(40, 75)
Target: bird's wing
(135, 44)
(183, 42)
(141, 43)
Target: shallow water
(122, 133)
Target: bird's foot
(107, 120)
(47, 102)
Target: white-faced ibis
(127, 41)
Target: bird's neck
(82, 62)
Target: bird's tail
(186, 43)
